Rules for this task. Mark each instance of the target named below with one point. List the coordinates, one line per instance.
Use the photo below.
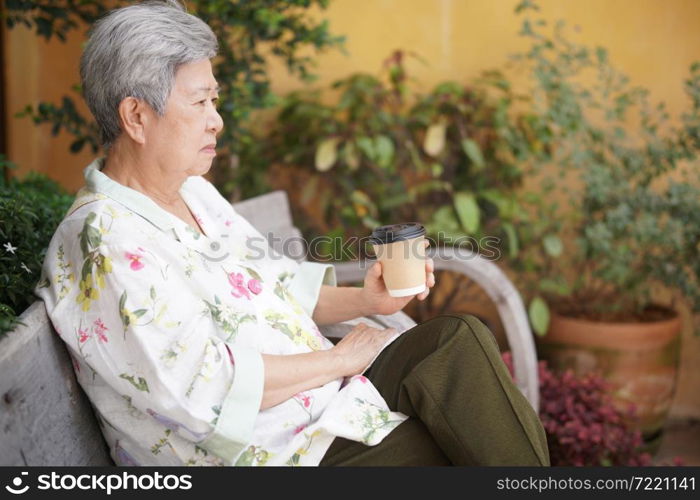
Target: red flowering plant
(583, 427)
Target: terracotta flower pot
(640, 360)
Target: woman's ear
(135, 115)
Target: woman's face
(183, 140)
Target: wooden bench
(46, 419)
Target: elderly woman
(196, 345)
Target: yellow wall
(653, 41)
(39, 71)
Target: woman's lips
(209, 150)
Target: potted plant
(615, 228)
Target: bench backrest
(46, 418)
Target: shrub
(618, 214)
(383, 152)
(30, 211)
(583, 427)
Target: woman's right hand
(289, 374)
(358, 348)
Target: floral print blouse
(166, 327)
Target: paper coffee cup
(401, 250)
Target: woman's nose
(216, 123)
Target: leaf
(539, 315)
(554, 287)
(153, 293)
(86, 270)
(473, 152)
(77, 145)
(513, 246)
(161, 311)
(525, 5)
(467, 211)
(434, 141)
(326, 154)
(384, 148)
(140, 312)
(444, 219)
(253, 273)
(428, 187)
(366, 145)
(436, 169)
(352, 159)
(141, 384)
(44, 27)
(601, 54)
(363, 204)
(415, 156)
(553, 245)
(94, 237)
(309, 190)
(397, 200)
(506, 205)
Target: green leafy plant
(383, 153)
(629, 220)
(30, 211)
(250, 33)
(51, 17)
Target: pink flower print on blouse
(237, 281)
(299, 429)
(228, 223)
(361, 378)
(304, 399)
(198, 219)
(100, 329)
(135, 258)
(83, 335)
(254, 286)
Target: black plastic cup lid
(396, 232)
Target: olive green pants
(448, 376)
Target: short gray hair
(135, 51)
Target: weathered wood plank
(266, 212)
(46, 418)
(270, 214)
